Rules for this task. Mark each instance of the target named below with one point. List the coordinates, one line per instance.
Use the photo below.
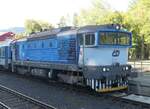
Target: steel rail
(19, 96)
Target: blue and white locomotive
(94, 56)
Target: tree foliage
(139, 25)
(36, 25)
(62, 22)
(94, 15)
(136, 20)
(75, 20)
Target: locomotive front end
(104, 56)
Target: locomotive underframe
(99, 78)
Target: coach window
(89, 39)
(0, 52)
(3, 52)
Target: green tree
(32, 26)
(62, 22)
(36, 25)
(139, 25)
(136, 20)
(75, 20)
(94, 15)
(45, 25)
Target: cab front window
(114, 38)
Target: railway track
(120, 98)
(10, 99)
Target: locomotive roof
(70, 30)
(94, 28)
(48, 33)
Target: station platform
(138, 98)
(140, 85)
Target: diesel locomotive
(94, 56)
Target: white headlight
(108, 69)
(104, 69)
(117, 27)
(127, 68)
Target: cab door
(87, 43)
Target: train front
(104, 56)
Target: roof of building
(6, 35)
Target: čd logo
(116, 53)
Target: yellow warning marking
(112, 89)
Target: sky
(15, 12)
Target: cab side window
(89, 39)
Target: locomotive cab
(104, 48)
(104, 55)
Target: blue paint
(58, 49)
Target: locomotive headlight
(104, 69)
(117, 27)
(127, 68)
(108, 69)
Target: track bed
(10, 99)
(64, 96)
